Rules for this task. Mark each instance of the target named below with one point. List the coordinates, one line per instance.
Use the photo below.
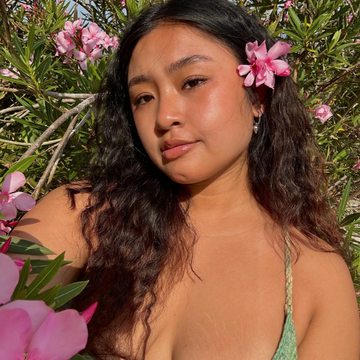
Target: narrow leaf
(24, 275)
(45, 276)
(344, 201)
(68, 292)
(22, 246)
(38, 265)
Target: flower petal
(249, 80)
(280, 67)
(243, 69)
(14, 333)
(250, 50)
(36, 309)
(261, 52)
(22, 201)
(269, 79)
(93, 28)
(9, 277)
(79, 55)
(59, 337)
(89, 312)
(279, 49)
(9, 211)
(13, 181)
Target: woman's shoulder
(55, 223)
(323, 285)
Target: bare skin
(236, 310)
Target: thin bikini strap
(288, 274)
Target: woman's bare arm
(53, 224)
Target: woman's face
(190, 108)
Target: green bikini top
(287, 349)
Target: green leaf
(16, 42)
(38, 265)
(68, 292)
(49, 295)
(294, 36)
(78, 357)
(334, 40)
(318, 24)
(24, 275)
(341, 155)
(296, 23)
(45, 276)
(348, 220)
(344, 201)
(30, 42)
(29, 107)
(21, 166)
(21, 246)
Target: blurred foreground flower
(323, 113)
(10, 201)
(31, 330)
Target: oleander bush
(53, 55)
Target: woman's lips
(173, 152)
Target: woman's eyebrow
(175, 66)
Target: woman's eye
(191, 83)
(141, 100)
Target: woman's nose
(169, 113)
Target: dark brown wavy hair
(135, 225)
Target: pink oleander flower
(115, 42)
(64, 42)
(107, 42)
(288, 3)
(26, 7)
(4, 228)
(31, 328)
(12, 74)
(92, 36)
(356, 167)
(71, 27)
(18, 262)
(323, 113)
(263, 63)
(81, 56)
(10, 201)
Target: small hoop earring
(257, 122)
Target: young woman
(202, 227)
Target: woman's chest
(232, 309)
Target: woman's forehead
(168, 43)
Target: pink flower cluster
(83, 43)
(30, 329)
(323, 113)
(263, 63)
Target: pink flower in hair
(264, 64)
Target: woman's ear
(260, 94)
